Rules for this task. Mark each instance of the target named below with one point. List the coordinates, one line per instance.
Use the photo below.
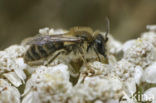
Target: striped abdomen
(37, 52)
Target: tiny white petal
(59, 31)
(51, 31)
(138, 74)
(20, 65)
(13, 78)
(44, 31)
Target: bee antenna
(107, 26)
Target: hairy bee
(77, 40)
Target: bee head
(99, 41)
(100, 44)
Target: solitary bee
(77, 40)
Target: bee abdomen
(50, 48)
(31, 54)
(42, 51)
(37, 52)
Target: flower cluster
(12, 64)
(130, 66)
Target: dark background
(23, 18)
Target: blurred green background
(23, 18)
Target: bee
(78, 40)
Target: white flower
(96, 88)
(100, 68)
(150, 36)
(113, 46)
(140, 53)
(8, 93)
(129, 74)
(127, 45)
(126, 70)
(150, 74)
(47, 31)
(8, 57)
(48, 84)
(150, 95)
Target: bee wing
(53, 39)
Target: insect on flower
(78, 40)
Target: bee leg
(52, 58)
(97, 55)
(81, 52)
(89, 69)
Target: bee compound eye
(98, 41)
